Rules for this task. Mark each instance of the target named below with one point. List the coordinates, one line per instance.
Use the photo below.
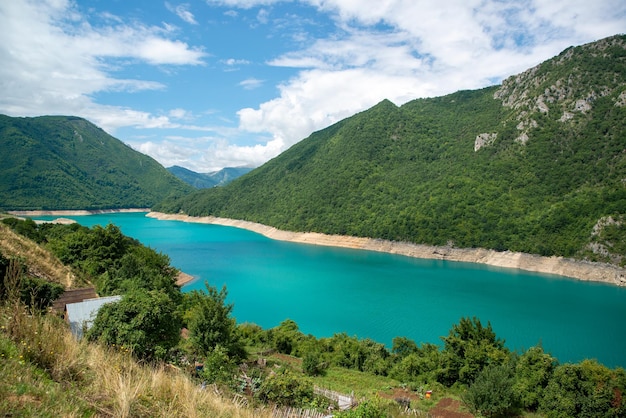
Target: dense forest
(64, 162)
(535, 165)
(470, 363)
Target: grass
(41, 262)
(362, 384)
(46, 372)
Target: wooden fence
(297, 413)
(343, 401)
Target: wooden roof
(73, 296)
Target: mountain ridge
(206, 180)
(66, 162)
(530, 166)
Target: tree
(420, 365)
(145, 322)
(286, 337)
(312, 364)
(286, 389)
(533, 371)
(468, 348)
(209, 322)
(491, 394)
(402, 346)
(586, 389)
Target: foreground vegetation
(133, 361)
(535, 166)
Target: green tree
(218, 366)
(286, 337)
(491, 394)
(312, 364)
(533, 371)
(587, 389)
(402, 346)
(209, 322)
(420, 365)
(468, 348)
(286, 389)
(145, 322)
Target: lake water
(381, 296)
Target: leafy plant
(491, 394)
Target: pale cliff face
(536, 91)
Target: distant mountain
(65, 162)
(206, 180)
(537, 165)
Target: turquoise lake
(381, 296)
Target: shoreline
(573, 269)
(182, 278)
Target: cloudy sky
(207, 84)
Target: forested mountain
(65, 162)
(206, 180)
(537, 164)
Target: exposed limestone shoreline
(575, 269)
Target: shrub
(286, 389)
(491, 394)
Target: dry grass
(41, 263)
(94, 379)
(45, 371)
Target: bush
(218, 367)
(312, 364)
(491, 394)
(209, 323)
(533, 371)
(144, 322)
(373, 408)
(468, 348)
(285, 389)
(586, 389)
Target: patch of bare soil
(449, 408)
(399, 393)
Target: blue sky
(207, 84)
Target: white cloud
(54, 61)
(401, 50)
(244, 4)
(179, 113)
(182, 11)
(263, 16)
(208, 153)
(251, 83)
(233, 61)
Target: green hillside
(537, 164)
(64, 162)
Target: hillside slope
(536, 165)
(64, 162)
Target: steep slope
(536, 165)
(62, 162)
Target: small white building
(81, 315)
